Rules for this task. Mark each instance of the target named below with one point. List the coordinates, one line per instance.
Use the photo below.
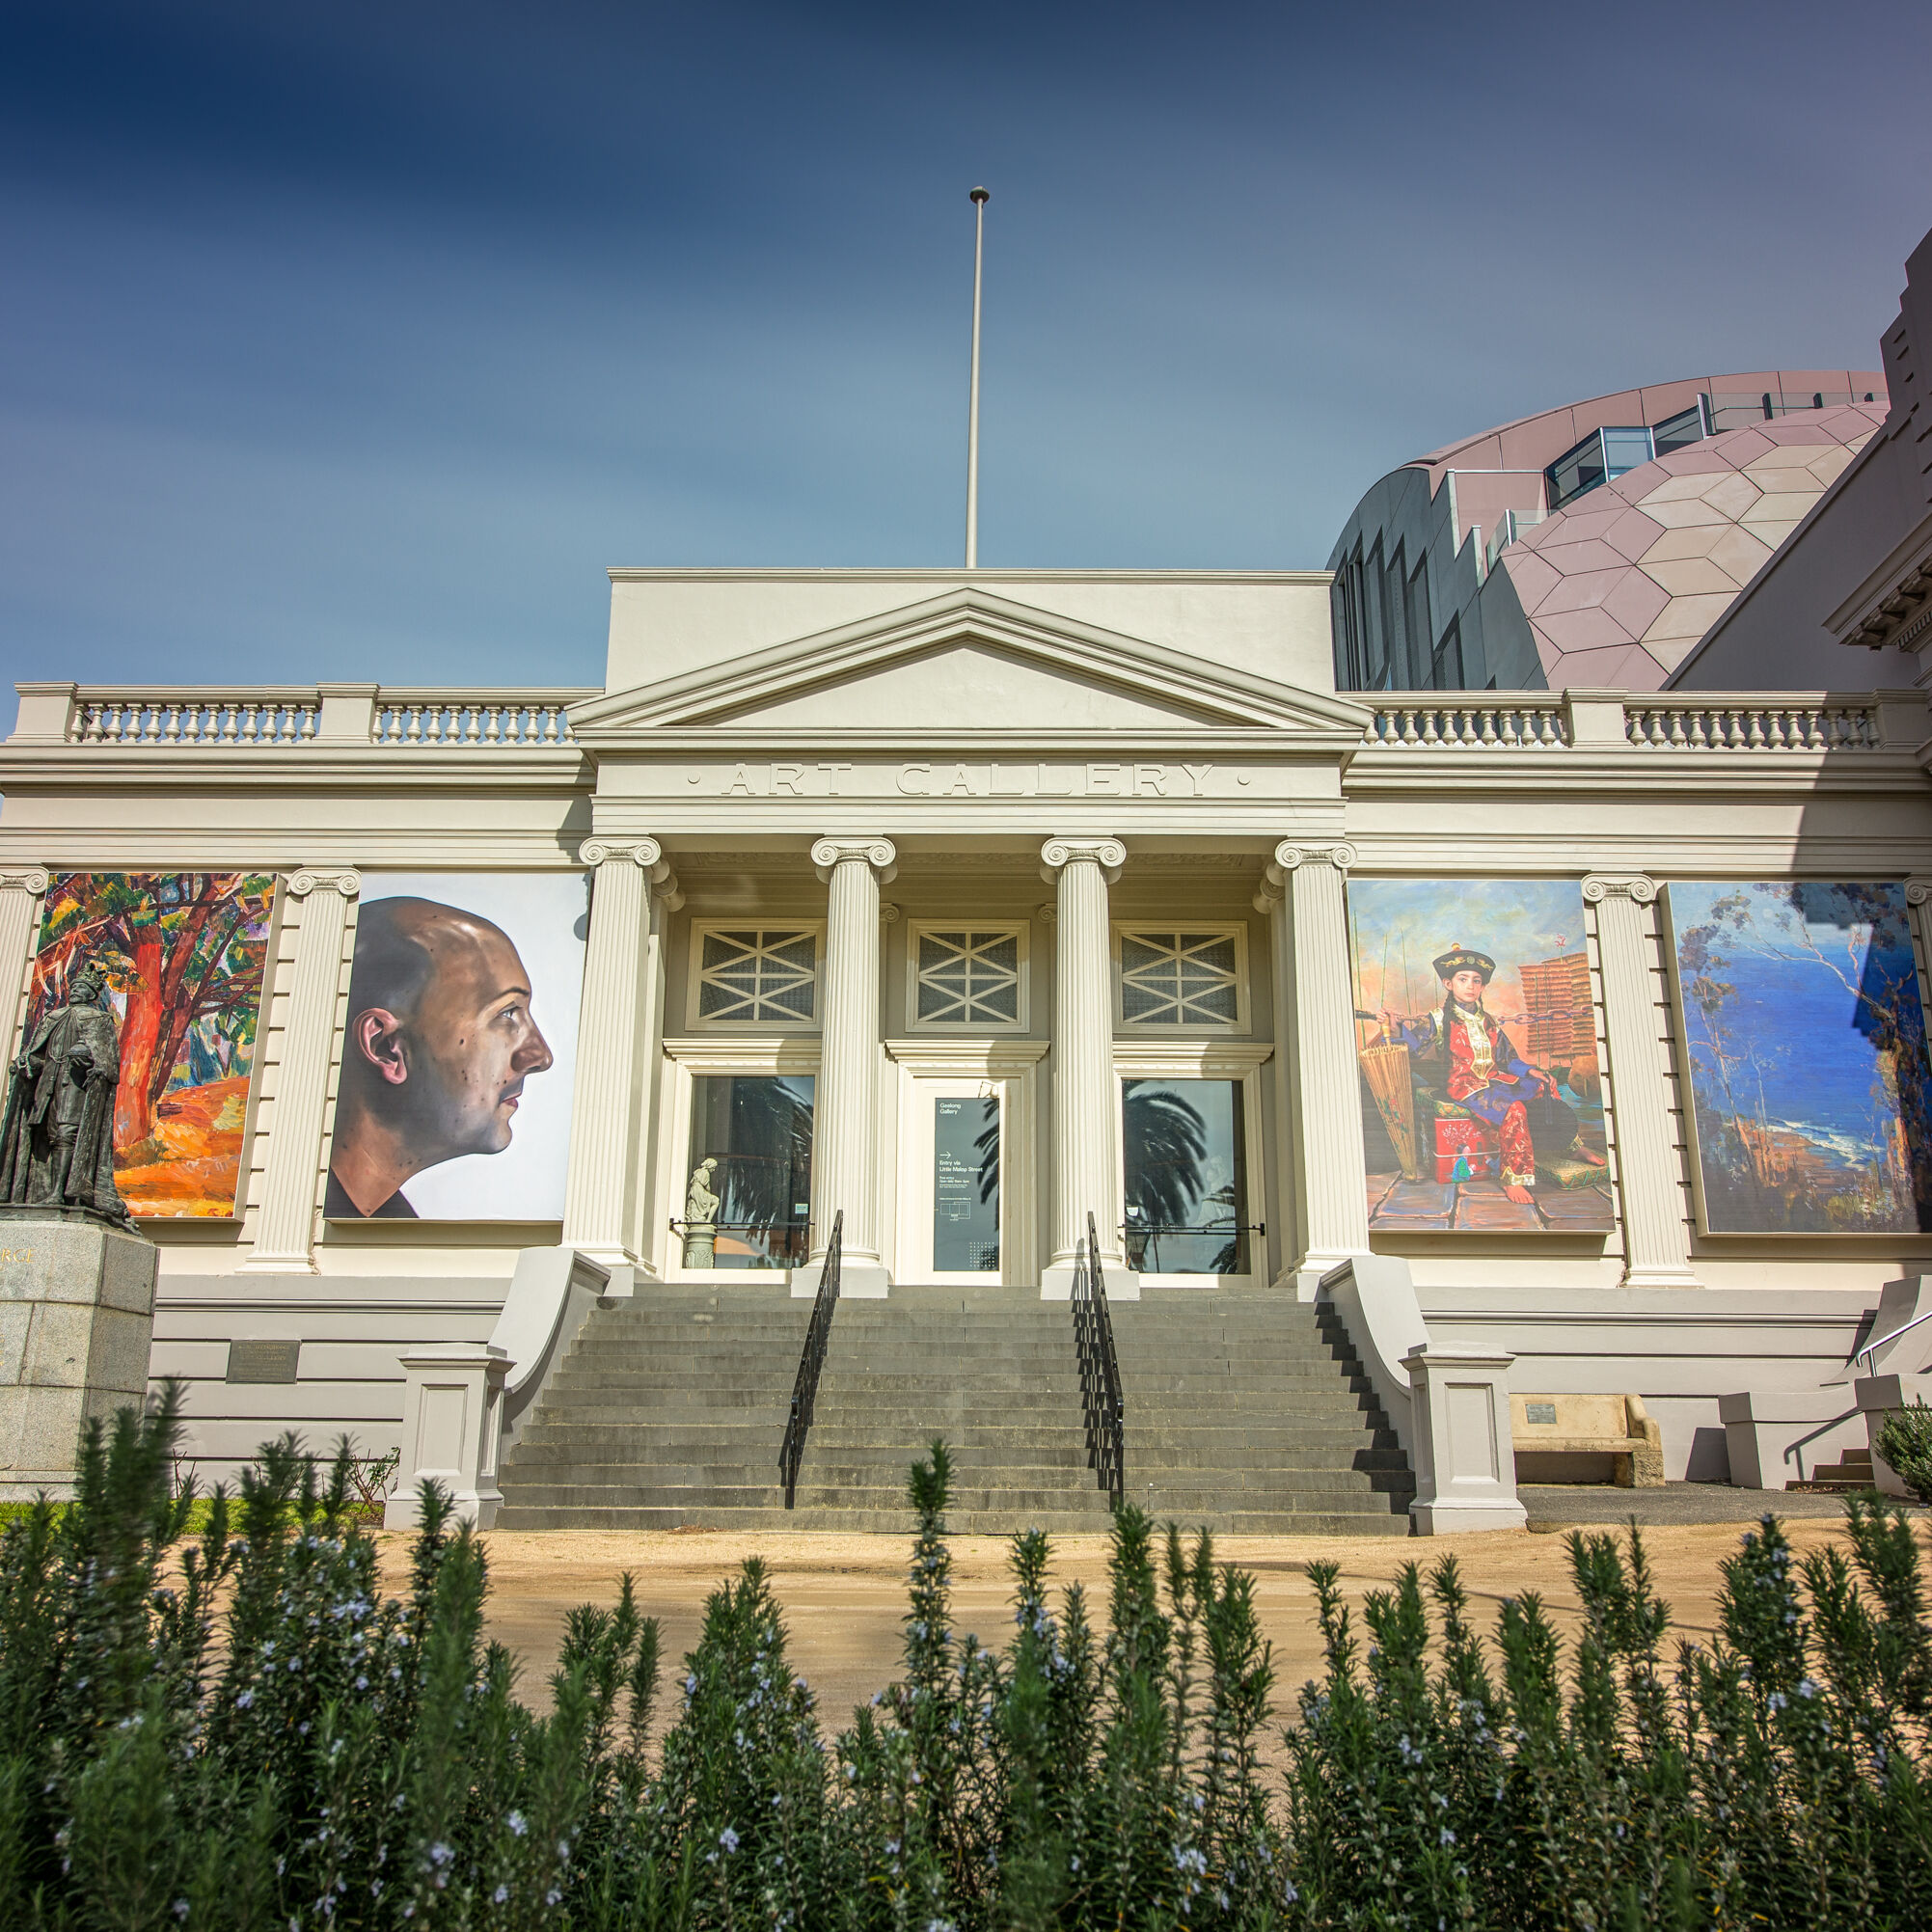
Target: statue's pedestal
(76, 1320)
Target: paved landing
(1562, 1504)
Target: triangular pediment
(964, 661)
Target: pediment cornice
(1200, 697)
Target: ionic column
(20, 922)
(284, 1227)
(1316, 1006)
(1086, 1096)
(618, 1030)
(1650, 1173)
(845, 1131)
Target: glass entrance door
(961, 1128)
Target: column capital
(878, 852)
(1635, 887)
(1269, 893)
(646, 853)
(33, 881)
(1289, 854)
(1108, 854)
(1917, 891)
(314, 878)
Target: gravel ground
(844, 1596)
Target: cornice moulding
(919, 574)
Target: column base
(1449, 1519)
(280, 1264)
(1121, 1282)
(1659, 1277)
(860, 1279)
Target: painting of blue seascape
(1805, 1047)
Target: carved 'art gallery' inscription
(947, 778)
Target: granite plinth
(76, 1321)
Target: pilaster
(1326, 1175)
(620, 1025)
(1650, 1173)
(20, 922)
(1086, 1095)
(1918, 892)
(845, 1129)
(284, 1229)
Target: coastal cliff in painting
(1804, 1041)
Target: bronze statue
(56, 1142)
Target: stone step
(899, 1524)
(1242, 1408)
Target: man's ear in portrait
(378, 1039)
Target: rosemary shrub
(234, 1727)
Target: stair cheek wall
(1244, 1412)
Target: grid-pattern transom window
(1180, 979)
(968, 978)
(762, 976)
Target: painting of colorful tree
(184, 955)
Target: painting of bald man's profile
(458, 1048)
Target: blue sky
(356, 340)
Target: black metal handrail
(805, 1389)
(1101, 1404)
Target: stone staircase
(1245, 1411)
(1850, 1472)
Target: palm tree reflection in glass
(1173, 1153)
(759, 1131)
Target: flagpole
(979, 198)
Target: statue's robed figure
(57, 1141)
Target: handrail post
(804, 1387)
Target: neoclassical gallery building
(953, 908)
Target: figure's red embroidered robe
(1487, 1078)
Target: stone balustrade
(1762, 723)
(1428, 719)
(209, 718)
(162, 717)
(1787, 721)
(470, 718)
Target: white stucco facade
(1054, 755)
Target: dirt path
(844, 1596)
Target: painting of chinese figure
(184, 955)
(1804, 1041)
(1476, 1040)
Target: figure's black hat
(1463, 959)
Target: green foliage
(211, 1716)
(1905, 1441)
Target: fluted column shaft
(845, 1151)
(19, 925)
(617, 1033)
(284, 1227)
(1324, 1125)
(1086, 1095)
(1650, 1173)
